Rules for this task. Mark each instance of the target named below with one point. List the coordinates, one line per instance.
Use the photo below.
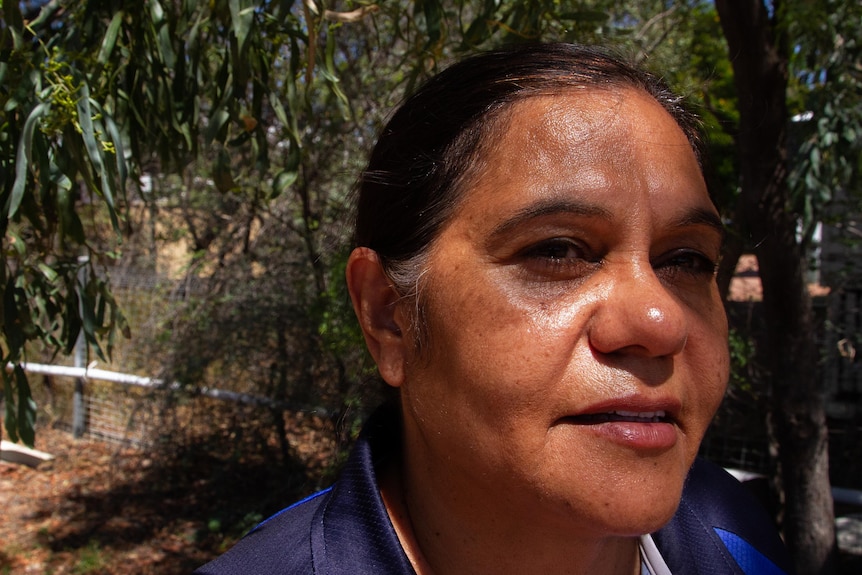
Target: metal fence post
(79, 423)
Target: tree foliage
(256, 96)
(825, 98)
(60, 152)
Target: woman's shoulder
(721, 528)
(343, 530)
(281, 545)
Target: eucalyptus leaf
(242, 18)
(47, 271)
(218, 120)
(120, 152)
(110, 39)
(11, 414)
(162, 29)
(282, 181)
(26, 420)
(22, 160)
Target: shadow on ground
(173, 507)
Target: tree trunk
(734, 247)
(759, 57)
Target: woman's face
(576, 342)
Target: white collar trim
(651, 557)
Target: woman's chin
(630, 511)
(635, 522)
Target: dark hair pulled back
(413, 180)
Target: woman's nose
(639, 315)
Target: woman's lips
(623, 415)
(638, 430)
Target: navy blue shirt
(719, 528)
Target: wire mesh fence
(115, 421)
(108, 412)
(737, 452)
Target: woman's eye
(554, 250)
(557, 249)
(688, 261)
(556, 258)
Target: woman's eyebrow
(700, 217)
(547, 208)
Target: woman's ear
(376, 303)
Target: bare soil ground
(102, 509)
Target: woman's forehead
(577, 122)
(586, 138)
(585, 115)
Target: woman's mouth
(620, 415)
(638, 430)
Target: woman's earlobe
(376, 304)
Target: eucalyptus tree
(794, 58)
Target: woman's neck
(441, 537)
